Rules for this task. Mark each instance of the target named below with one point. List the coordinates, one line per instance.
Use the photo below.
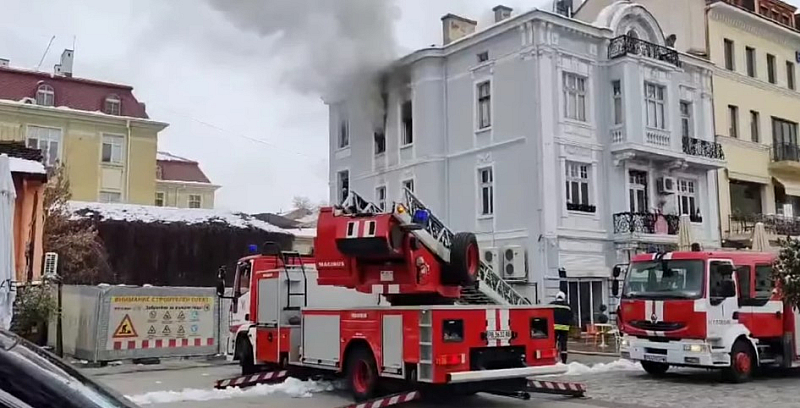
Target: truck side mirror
(617, 271)
(221, 281)
(615, 288)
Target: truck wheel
(245, 351)
(362, 374)
(742, 363)
(464, 260)
(654, 368)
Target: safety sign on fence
(141, 322)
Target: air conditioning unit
(29, 101)
(514, 263)
(666, 185)
(491, 257)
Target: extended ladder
(489, 288)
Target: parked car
(31, 377)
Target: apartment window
(112, 105)
(45, 95)
(380, 197)
(577, 183)
(380, 141)
(408, 124)
(790, 75)
(733, 121)
(484, 105)
(486, 188)
(729, 56)
(408, 185)
(195, 201)
(750, 55)
(48, 140)
(159, 199)
(755, 126)
(616, 90)
(344, 132)
(687, 198)
(483, 56)
(771, 68)
(113, 148)
(784, 139)
(654, 102)
(342, 185)
(687, 124)
(109, 197)
(637, 191)
(574, 97)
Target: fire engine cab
(378, 304)
(706, 309)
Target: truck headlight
(625, 343)
(695, 348)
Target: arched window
(45, 95)
(113, 105)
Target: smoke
(332, 48)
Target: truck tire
(362, 374)
(742, 363)
(245, 352)
(464, 260)
(655, 369)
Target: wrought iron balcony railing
(624, 45)
(645, 223)
(703, 148)
(786, 152)
(775, 224)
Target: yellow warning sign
(125, 329)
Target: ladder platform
(267, 377)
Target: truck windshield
(681, 279)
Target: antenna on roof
(45, 52)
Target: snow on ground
(576, 368)
(292, 387)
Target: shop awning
(791, 187)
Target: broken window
(408, 125)
(344, 132)
(343, 184)
(380, 141)
(484, 105)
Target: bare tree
(302, 203)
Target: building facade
(98, 130)
(564, 145)
(181, 183)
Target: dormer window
(112, 105)
(45, 95)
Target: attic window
(483, 56)
(112, 105)
(45, 95)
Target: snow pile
(26, 166)
(576, 368)
(292, 387)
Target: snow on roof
(166, 156)
(26, 166)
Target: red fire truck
(377, 305)
(706, 309)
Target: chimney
(501, 13)
(4, 63)
(455, 27)
(65, 67)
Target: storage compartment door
(393, 344)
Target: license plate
(655, 358)
(498, 335)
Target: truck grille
(658, 326)
(495, 358)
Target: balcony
(646, 223)
(703, 148)
(740, 226)
(785, 157)
(625, 45)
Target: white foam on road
(576, 368)
(292, 387)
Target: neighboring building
(561, 143)
(98, 130)
(181, 183)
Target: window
(159, 199)
(574, 97)
(743, 274)
(637, 191)
(342, 185)
(45, 95)
(729, 56)
(344, 132)
(764, 281)
(453, 331)
(483, 56)
(750, 54)
(790, 75)
(616, 89)
(109, 197)
(406, 113)
(755, 126)
(380, 197)
(408, 185)
(733, 121)
(577, 183)
(654, 102)
(486, 188)
(771, 68)
(48, 140)
(113, 148)
(484, 105)
(195, 201)
(687, 199)
(687, 125)
(380, 141)
(784, 139)
(112, 105)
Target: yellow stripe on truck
(561, 327)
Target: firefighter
(563, 319)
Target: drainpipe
(446, 128)
(128, 162)
(720, 229)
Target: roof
(23, 159)
(26, 166)
(176, 168)
(75, 93)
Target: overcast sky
(222, 87)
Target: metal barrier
(116, 323)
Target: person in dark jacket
(563, 320)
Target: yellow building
(98, 130)
(181, 183)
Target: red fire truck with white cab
(706, 309)
(378, 304)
